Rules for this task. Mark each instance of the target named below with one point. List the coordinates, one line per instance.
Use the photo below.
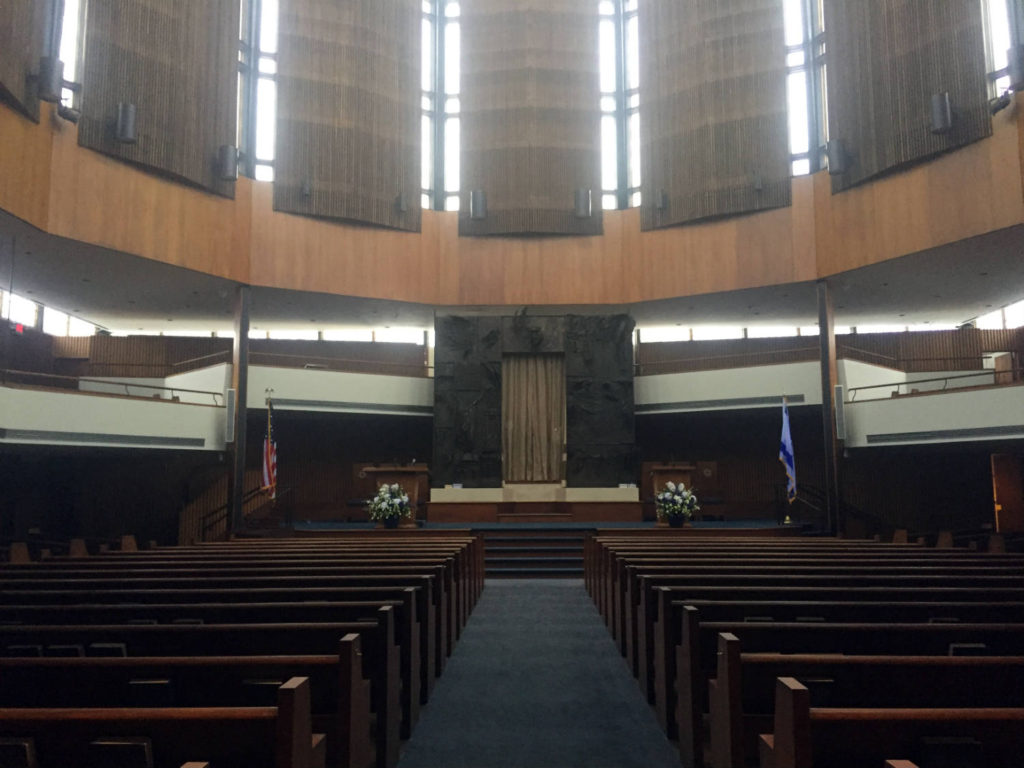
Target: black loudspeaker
(51, 78)
(307, 188)
(662, 201)
(835, 154)
(942, 113)
(401, 206)
(583, 204)
(840, 405)
(227, 162)
(477, 204)
(124, 129)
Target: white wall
(216, 378)
(713, 390)
(72, 418)
(333, 391)
(998, 412)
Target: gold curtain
(885, 59)
(533, 417)
(348, 111)
(713, 116)
(177, 62)
(22, 29)
(530, 124)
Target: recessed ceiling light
(983, 274)
(903, 314)
(86, 280)
(29, 291)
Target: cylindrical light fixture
(51, 78)
(835, 154)
(662, 200)
(227, 162)
(942, 113)
(1015, 67)
(477, 204)
(124, 129)
(583, 203)
(401, 206)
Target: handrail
(180, 363)
(111, 382)
(336, 360)
(944, 379)
(703, 358)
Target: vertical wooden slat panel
(713, 119)
(177, 62)
(885, 59)
(530, 125)
(22, 29)
(348, 118)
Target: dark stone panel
(455, 337)
(600, 465)
(599, 411)
(524, 335)
(489, 340)
(599, 346)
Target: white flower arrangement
(390, 502)
(676, 501)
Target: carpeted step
(534, 573)
(533, 562)
(533, 552)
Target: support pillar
(239, 383)
(829, 379)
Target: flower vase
(675, 521)
(391, 522)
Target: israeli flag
(786, 453)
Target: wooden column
(240, 383)
(829, 379)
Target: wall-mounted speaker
(837, 157)
(840, 405)
(227, 162)
(583, 204)
(401, 205)
(662, 200)
(51, 79)
(477, 204)
(229, 424)
(942, 113)
(307, 188)
(124, 128)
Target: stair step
(534, 573)
(548, 551)
(540, 540)
(531, 562)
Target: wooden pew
(741, 696)
(232, 737)
(339, 693)
(696, 659)
(406, 626)
(833, 605)
(804, 736)
(425, 610)
(380, 654)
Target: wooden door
(1008, 492)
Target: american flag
(270, 456)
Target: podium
(674, 472)
(409, 477)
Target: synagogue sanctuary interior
(527, 255)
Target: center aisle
(536, 681)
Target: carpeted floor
(536, 681)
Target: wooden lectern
(675, 472)
(409, 477)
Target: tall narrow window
(449, 93)
(266, 91)
(998, 41)
(70, 48)
(619, 51)
(804, 62)
(429, 71)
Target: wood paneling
(102, 201)
(177, 63)
(530, 123)
(974, 190)
(25, 152)
(714, 130)
(885, 60)
(683, 356)
(22, 33)
(348, 116)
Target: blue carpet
(537, 682)
(332, 525)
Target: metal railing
(74, 383)
(1011, 376)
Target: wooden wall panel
(885, 60)
(177, 62)
(25, 154)
(22, 42)
(714, 130)
(348, 115)
(975, 190)
(105, 202)
(530, 125)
